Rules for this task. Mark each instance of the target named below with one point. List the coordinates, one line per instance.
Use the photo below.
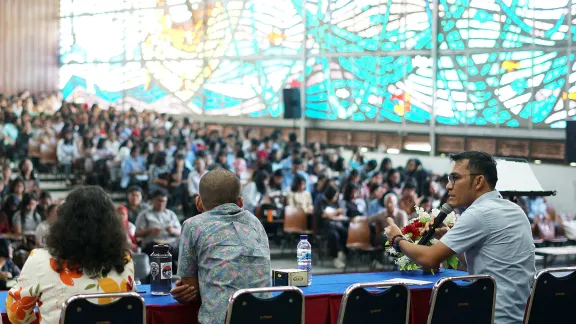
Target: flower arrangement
(413, 232)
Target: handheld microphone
(428, 235)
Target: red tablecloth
(320, 309)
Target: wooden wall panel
(547, 150)
(29, 32)
(316, 135)
(450, 144)
(487, 145)
(390, 141)
(514, 148)
(367, 139)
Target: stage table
(322, 298)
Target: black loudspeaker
(570, 145)
(292, 105)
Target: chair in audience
(285, 308)
(390, 306)
(129, 308)
(552, 297)
(295, 224)
(141, 267)
(358, 241)
(470, 303)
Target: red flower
(412, 231)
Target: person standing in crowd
(223, 249)
(493, 233)
(158, 225)
(43, 228)
(85, 254)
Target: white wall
(552, 177)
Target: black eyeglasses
(452, 177)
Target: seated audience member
(289, 175)
(29, 176)
(44, 227)
(299, 197)
(158, 225)
(255, 191)
(196, 174)
(333, 223)
(7, 176)
(135, 204)
(394, 182)
(9, 208)
(223, 249)
(84, 251)
(67, 153)
(26, 219)
(178, 183)
(18, 187)
(133, 169)
(425, 203)
(353, 204)
(391, 209)
(45, 200)
(159, 172)
(409, 199)
(319, 186)
(8, 269)
(276, 180)
(129, 228)
(376, 193)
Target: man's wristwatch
(396, 242)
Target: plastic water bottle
(304, 254)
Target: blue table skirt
(321, 284)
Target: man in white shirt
(195, 175)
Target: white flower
(402, 261)
(450, 219)
(435, 212)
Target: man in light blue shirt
(493, 233)
(289, 175)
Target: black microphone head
(446, 208)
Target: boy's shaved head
(218, 187)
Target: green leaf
(37, 290)
(90, 286)
(97, 287)
(30, 291)
(453, 262)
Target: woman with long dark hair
(26, 219)
(86, 253)
(255, 191)
(9, 208)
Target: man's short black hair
(481, 163)
(297, 161)
(292, 137)
(132, 189)
(410, 184)
(160, 193)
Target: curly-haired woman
(82, 255)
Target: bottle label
(304, 255)
(166, 270)
(154, 270)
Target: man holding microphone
(493, 234)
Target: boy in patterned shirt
(222, 250)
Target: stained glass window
(499, 62)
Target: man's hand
(184, 293)
(440, 231)
(392, 229)
(155, 230)
(5, 275)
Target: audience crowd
(160, 159)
